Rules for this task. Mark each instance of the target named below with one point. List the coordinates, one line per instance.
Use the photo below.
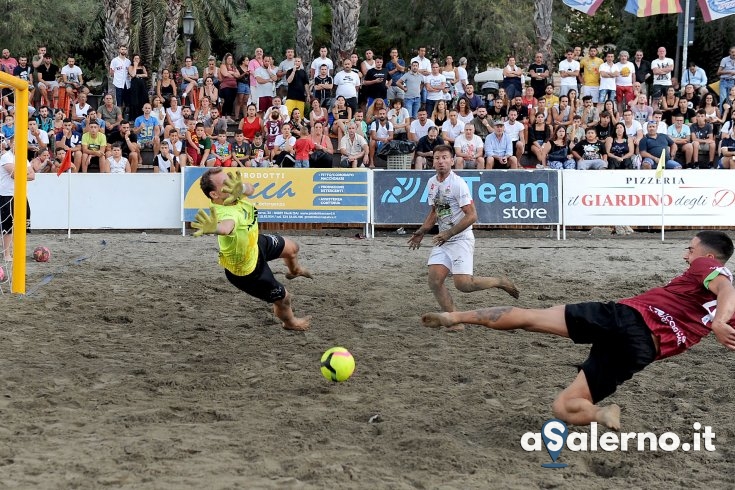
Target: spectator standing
(726, 71)
(662, 67)
(297, 89)
(538, 71)
(642, 71)
(568, 71)
(119, 73)
(590, 67)
(138, 95)
(395, 67)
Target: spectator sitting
(353, 147)
(214, 124)
(727, 150)
(468, 150)
(128, 144)
(70, 140)
(148, 130)
(703, 140)
(118, 163)
(682, 137)
(652, 145)
(175, 149)
(241, 150)
(499, 150)
(590, 152)
(222, 150)
(282, 153)
(424, 155)
(277, 106)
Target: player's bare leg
(574, 406)
(437, 276)
(550, 320)
(290, 256)
(468, 284)
(282, 309)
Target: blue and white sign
(502, 197)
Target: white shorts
(50, 84)
(457, 256)
(593, 91)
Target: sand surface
(133, 363)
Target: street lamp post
(188, 26)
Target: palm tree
(304, 40)
(544, 28)
(150, 27)
(345, 20)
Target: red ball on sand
(41, 254)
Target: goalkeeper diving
(243, 252)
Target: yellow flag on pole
(661, 165)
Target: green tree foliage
(484, 32)
(272, 25)
(64, 27)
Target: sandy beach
(133, 363)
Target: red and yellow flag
(646, 8)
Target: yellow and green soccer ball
(337, 364)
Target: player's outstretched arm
(724, 333)
(205, 224)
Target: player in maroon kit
(629, 334)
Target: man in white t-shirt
(453, 211)
(119, 73)
(608, 74)
(469, 149)
(435, 84)
(420, 127)
(265, 77)
(37, 139)
(424, 68)
(514, 130)
(661, 68)
(321, 60)
(71, 76)
(568, 71)
(381, 133)
(347, 82)
(462, 78)
(452, 128)
(624, 82)
(633, 128)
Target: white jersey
(662, 79)
(453, 132)
(468, 147)
(118, 166)
(448, 198)
(119, 71)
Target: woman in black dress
(138, 88)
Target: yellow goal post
(20, 150)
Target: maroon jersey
(681, 312)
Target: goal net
(13, 180)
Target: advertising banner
(635, 197)
(288, 195)
(502, 197)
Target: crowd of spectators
(603, 112)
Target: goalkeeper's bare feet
(298, 273)
(298, 324)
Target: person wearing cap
(653, 144)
